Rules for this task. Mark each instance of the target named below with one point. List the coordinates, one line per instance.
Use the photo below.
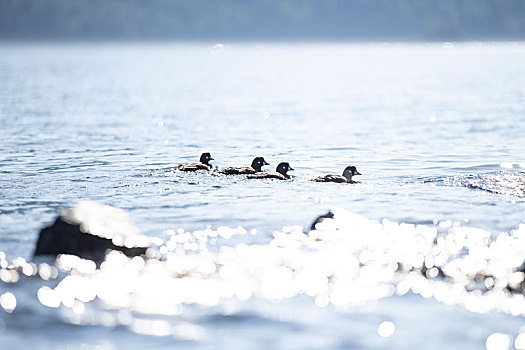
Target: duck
(348, 173)
(280, 173)
(256, 166)
(202, 165)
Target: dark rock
(321, 218)
(88, 230)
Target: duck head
(349, 172)
(283, 168)
(258, 162)
(205, 158)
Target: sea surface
(436, 130)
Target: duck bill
(290, 168)
(265, 163)
(358, 173)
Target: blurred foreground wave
(347, 261)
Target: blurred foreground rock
(320, 219)
(88, 230)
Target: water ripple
(504, 183)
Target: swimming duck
(256, 166)
(203, 165)
(346, 177)
(280, 173)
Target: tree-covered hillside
(264, 19)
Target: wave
(504, 183)
(346, 260)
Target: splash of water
(508, 184)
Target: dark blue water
(435, 129)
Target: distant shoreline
(262, 21)
(227, 42)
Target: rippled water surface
(437, 130)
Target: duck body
(202, 165)
(269, 175)
(238, 171)
(256, 166)
(331, 178)
(194, 167)
(280, 173)
(349, 172)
